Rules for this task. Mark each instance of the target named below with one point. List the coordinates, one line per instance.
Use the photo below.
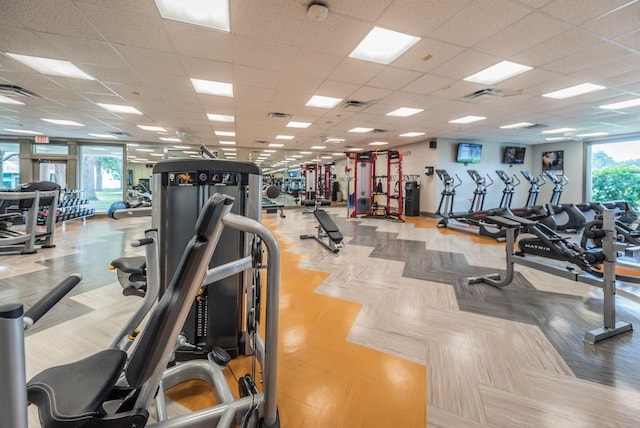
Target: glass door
(52, 170)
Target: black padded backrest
(325, 221)
(171, 312)
(42, 186)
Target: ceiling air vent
(120, 134)
(276, 115)
(354, 105)
(378, 131)
(491, 92)
(9, 90)
(262, 142)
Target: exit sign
(42, 139)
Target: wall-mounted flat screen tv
(514, 155)
(469, 153)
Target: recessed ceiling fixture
(211, 87)
(152, 128)
(337, 154)
(558, 130)
(378, 143)
(555, 138)
(23, 131)
(108, 136)
(355, 149)
(116, 108)
(592, 134)
(211, 13)
(498, 72)
(574, 91)
(144, 150)
(157, 154)
(63, 122)
(517, 125)
(411, 134)
(180, 147)
(276, 145)
(294, 124)
(229, 149)
(383, 46)
(306, 153)
(171, 140)
(318, 147)
(227, 143)
(333, 140)
(220, 117)
(323, 102)
(270, 151)
(297, 156)
(468, 119)
(7, 100)
(285, 137)
(359, 130)
(225, 133)
(405, 112)
(51, 67)
(623, 104)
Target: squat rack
(369, 188)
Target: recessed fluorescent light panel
(108, 136)
(152, 128)
(355, 149)
(23, 131)
(378, 143)
(405, 112)
(517, 125)
(623, 104)
(211, 87)
(555, 138)
(7, 100)
(383, 46)
(276, 145)
(317, 147)
(468, 119)
(293, 124)
(574, 91)
(227, 143)
(359, 130)
(171, 140)
(306, 153)
(334, 140)
(558, 130)
(225, 133)
(337, 154)
(412, 134)
(63, 122)
(220, 117)
(592, 134)
(52, 67)
(144, 150)
(498, 72)
(285, 137)
(211, 13)
(323, 102)
(229, 149)
(116, 108)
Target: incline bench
(328, 233)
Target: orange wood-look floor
(323, 380)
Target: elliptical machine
(568, 217)
(477, 203)
(534, 190)
(509, 188)
(466, 222)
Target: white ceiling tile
(198, 68)
(467, 63)
(252, 93)
(256, 77)
(529, 31)
(337, 34)
(356, 71)
(556, 48)
(367, 93)
(427, 84)
(260, 54)
(480, 19)
(618, 23)
(525, 80)
(142, 59)
(333, 88)
(113, 75)
(127, 28)
(83, 51)
(165, 81)
(25, 42)
(419, 17)
(534, 3)
(299, 83)
(310, 63)
(614, 67)
(596, 56)
(192, 40)
(278, 21)
(393, 78)
(139, 7)
(426, 55)
(400, 99)
(365, 11)
(580, 11)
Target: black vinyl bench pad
(328, 226)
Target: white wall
(140, 170)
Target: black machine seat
(135, 264)
(328, 225)
(69, 395)
(313, 202)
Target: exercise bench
(328, 233)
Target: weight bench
(315, 203)
(328, 233)
(272, 207)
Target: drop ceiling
(277, 59)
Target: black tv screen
(469, 153)
(514, 155)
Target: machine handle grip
(141, 242)
(518, 180)
(42, 306)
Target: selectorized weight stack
(180, 189)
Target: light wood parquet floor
(382, 334)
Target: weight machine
(369, 187)
(318, 178)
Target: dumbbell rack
(70, 207)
